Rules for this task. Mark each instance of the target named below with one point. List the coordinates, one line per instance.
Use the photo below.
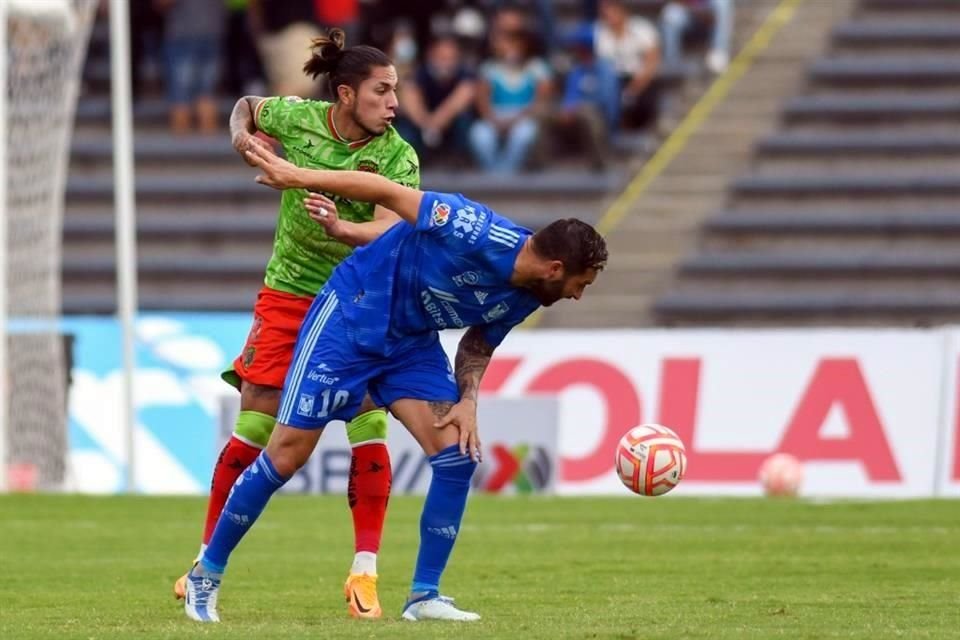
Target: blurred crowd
(502, 84)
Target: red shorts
(269, 349)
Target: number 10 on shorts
(307, 401)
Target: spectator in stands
(633, 46)
(437, 103)
(590, 109)
(680, 17)
(193, 34)
(244, 74)
(513, 92)
(146, 45)
(283, 30)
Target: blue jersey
(452, 270)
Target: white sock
(364, 562)
(203, 548)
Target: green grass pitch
(81, 567)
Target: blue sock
(246, 502)
(442, 513)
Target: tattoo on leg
(440, 409)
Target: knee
(260, 398)
(482, 134)
(289, 452)
(524, 131)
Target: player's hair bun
(325, 53)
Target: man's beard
(547, 292)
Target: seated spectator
(513, 91)
(193, 34)
(632, 45)
(681, 16)
(590, 110)
(437, 103)
(283, 30)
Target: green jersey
(304, 256)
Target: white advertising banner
(948, 463)
(860, 408)
(870, 412)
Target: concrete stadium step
(205, 296)
(859, 34)
(237, 185)
(853, 165)
(852, 110)
(904, 143)
(156, 222)
(850, 261)
(904, 202)
(95, 110)
(886, 72)
(833, 185)
(156, 148)
(200, 265)
(842, 307)
(909, 6)
(824, 224)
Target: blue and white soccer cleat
(200, 602)
(432, 606)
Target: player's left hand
(323, 210)
(277, 172)
(463, 416)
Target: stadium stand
(205, 228)
(848, 214)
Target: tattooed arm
(473, 356)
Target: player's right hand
(324, 211)
(246, 141)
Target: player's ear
(346, 95)
(555, 269)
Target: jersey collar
(332, 126)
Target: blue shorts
(329, 376)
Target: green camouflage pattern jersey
(304, 256)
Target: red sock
(368, 492)
(235, 457)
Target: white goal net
(46, 43)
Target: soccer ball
(651, 460)
(781, 475)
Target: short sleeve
(645, 34)
(279, 117)
(461, 224)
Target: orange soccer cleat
(360, 592)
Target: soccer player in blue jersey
(373, 328)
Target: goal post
(42, 48)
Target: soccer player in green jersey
(353, 133)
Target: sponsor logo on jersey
(435, 300)
(467, 278)
(368, 166)
(497, 312)
(481, 296)
(468, 223)
(440, 214)
(322, 378)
